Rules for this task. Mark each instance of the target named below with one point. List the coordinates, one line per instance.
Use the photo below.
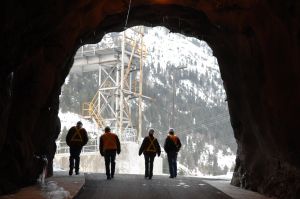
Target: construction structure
(119, 62)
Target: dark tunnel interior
(256, 44)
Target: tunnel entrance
(257, 45)
(184, 91)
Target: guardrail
(85, 149)
(93, 144)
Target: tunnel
(256, 44)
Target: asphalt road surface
(136, 187)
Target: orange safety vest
(77, 136)
(151, 147)
(174, 139)
(109, 141)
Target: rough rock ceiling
(256, 43)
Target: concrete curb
(72, 184)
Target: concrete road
(136, 187)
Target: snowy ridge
(167, 49)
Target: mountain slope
(201, 117)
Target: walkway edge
(72, 184)
(233, 191)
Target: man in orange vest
(150, 147)
(109, 146)
(76, 139)
(172, 146)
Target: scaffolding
(120, 71)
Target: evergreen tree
(189, 103)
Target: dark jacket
(172, 144)
(149, 146)
(76, 137)
(109, 142)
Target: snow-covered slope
(201, 115)
(167, 49)
(172, 48)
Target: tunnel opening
(182, 88)
(256, 66)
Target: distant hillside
(201, 117)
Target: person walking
(150, 147)
(109, 147)
(172, 146)
(76, 139)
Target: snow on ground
(57, 167)
(228, 176)
(51, 190)
(199, 174)
(226, 160)
(70, 119)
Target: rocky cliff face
(256, 43)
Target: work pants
(110, 157)
(149, 159)
(172, 159)
(75, 156)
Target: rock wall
(256, 43)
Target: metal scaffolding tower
(120, 68)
